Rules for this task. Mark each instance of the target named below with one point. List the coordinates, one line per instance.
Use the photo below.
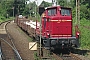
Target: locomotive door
(46, 27)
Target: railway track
(47, 55)
(8, 50)
(70, 56)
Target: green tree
(45, 4)
(19, 6)
(6, 7)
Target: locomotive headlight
(77, 33)
(48, 34)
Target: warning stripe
(60, 35)
(60, 20)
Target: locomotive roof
(57, 6)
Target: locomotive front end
(57, 28)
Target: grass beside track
(85, 34)
(2, 19)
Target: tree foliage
(19, 6)
(45, 4)
(84, 7)
(26, 9)
(6, 7)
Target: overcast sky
(39, 1)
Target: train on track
(56, 28)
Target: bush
(85, 34)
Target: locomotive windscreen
(65, 12)
(52, 12)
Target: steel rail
(13, 47)
(0, 53)
(15, 50)
(57, 57)
(0, 46)
(9, 36)
(74, 56)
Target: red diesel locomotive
(56, 29)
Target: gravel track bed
(21, 41)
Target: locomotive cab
(57, 28)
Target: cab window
(52, 12)
(65, 12)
